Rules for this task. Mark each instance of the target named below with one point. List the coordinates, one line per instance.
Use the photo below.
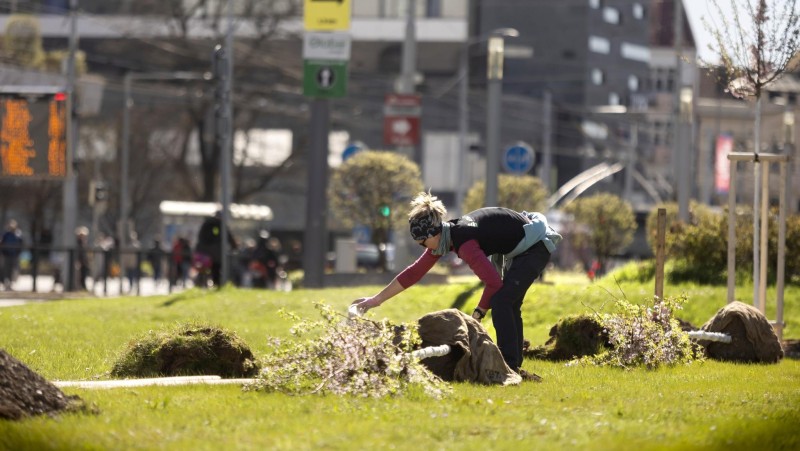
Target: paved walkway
(22, 291)
(163, 381)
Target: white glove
(360, 306)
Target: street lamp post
(129, 78)
(494, 76)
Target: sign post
(518, 158)
(33, 132)
(351, 150)
(401, 119)
(325, 58)
(326, 15)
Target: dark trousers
(507, 302)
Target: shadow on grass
(461, 299)
(184, 296)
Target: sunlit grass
(702, 406)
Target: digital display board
(33, 134)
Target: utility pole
(122, 227)
(70, 187)
(494, 94)
(463, 123)
(680, 151)
(408, 69)
(630, 163)
(547, 135)
(227, 143)
(315, 242)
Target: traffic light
(101, 193)
(98, 192)
(385, 211)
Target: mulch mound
(791, 349)
(24, 393)
(189, 349)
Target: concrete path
(22, 291)
(163, 381)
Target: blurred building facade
(609, 66)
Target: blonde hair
(427, 205)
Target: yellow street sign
(326, 15)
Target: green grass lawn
(702, 406)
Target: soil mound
(753, 339)
(25, 393)
(791, 349)
(572, 337)
(191, 349)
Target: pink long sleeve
(414, 272)
(479, 263)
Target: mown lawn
(702, 406)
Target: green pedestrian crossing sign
(324, 79)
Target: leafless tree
(756, 44)
(259, 79)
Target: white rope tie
(709, 336)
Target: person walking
(506, 249)
(155, 256)
(264, 262)
(11, 247)
(209, 245)
(181, 260)
(82, 256)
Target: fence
(104, 272)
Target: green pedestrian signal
(385, 211)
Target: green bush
(698, 250)
(635, 271)
(605, 225)
(516, 192)
(647, 335)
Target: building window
(613, 98)
(638, 11)
(635, 52)
(663, 79)
(599, 45)
(595, 4)
(670, 87)
(633, 83)
(598, 77)
(399, 8)
(611, 15)
(661, 133)
(433, 8)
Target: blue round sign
(518, 159)
(351, 150)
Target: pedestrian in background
(181, 260)
(11, 244)
(155, 256)
(209, 246)
(82, 256)
(130, 260)
(264, 262)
